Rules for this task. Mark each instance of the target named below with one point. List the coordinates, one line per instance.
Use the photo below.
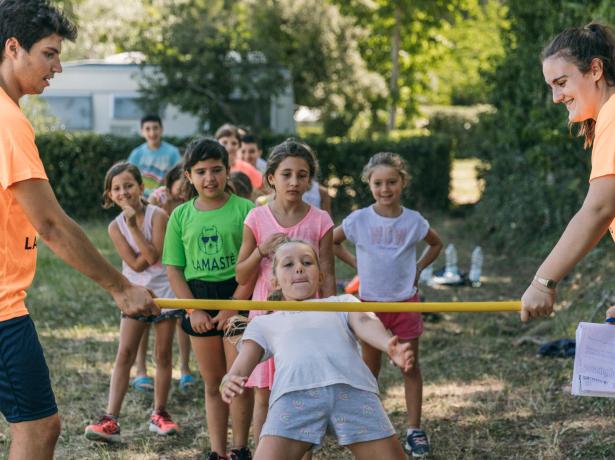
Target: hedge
(76, 164)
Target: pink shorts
(406, 326)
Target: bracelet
(258, 248)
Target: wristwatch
(545, 282)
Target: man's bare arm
(68, 241)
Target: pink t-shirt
(311, 228)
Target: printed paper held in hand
(594, 361)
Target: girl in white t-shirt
(321, 381)
(385, 235)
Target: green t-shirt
(206, 243)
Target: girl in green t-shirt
(200, 251)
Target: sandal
(143, 384)
(186, 383)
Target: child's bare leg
(261, 407)
(388, 448)
(164, 362)
(131, 331)
(413, 386)
(372, 357)
(142, 354)
(209, 353)
(183, 340)
(242, 405)
(279, 448)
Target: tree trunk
(393, 84)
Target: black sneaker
(216, 456)
(242, 453)
(417, 443)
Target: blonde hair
(392, 160)
(238, 322)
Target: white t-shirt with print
(311, 349)
(386, 252)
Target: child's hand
(270, 244)
(201, 321)
(130, 215)
(222, 318)
(400, 353)
(537, 302)
(231, 386)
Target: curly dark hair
(29, 21)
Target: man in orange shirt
(31, 35)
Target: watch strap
(545, 282)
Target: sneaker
(216, 456)
(161, 423)
(417, 443)
(186, 383)
(107, 429)
(240, 454)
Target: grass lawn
(486, 395)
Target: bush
(76, 164)
(458, 123)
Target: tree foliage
(537, 175)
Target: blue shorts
(25, 388)
(351, 414)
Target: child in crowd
(242, 185)
(228, 135)
(386, 235)
(167, 197)
(251, 152)
(321, 383)
(155, 157)
(291, 166)
(138, 233)
(200, 250)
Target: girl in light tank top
(138, 234)
(291, 167)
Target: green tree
(319, 46)
(537, 172)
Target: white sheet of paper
(594, 361)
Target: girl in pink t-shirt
(291, 168)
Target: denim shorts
(153, 319)
(25, 388)
(352, 415)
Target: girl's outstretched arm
(233, 383)
(582, 233)
(327, 264)
(340, 251)
(369, 328)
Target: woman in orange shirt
(579, 66)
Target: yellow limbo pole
(392, 307)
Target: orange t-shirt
(19, 161)
(255, 176)
(603, 151)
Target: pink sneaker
(161, 423)
(107, 429)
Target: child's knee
(125, 357)
(164, 358)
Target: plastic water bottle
(476, 266)
(426, 275)
(451, 268)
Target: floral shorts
(352, 415)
